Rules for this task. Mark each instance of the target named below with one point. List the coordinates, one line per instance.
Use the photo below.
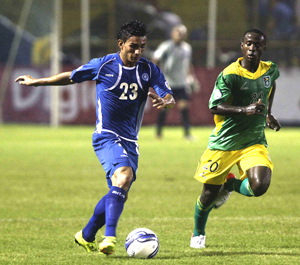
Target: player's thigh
(114, 154)
(214, 166)
(131, 160)
(254, 156)
(122, 177)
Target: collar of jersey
(262, 69)
(121, 62)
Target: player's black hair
(258, 31)
(132, 28)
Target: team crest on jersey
(267, 81)
(145, 77)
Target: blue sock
(96, 222)
(115, 200)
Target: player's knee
(259, 179)
(122, 178)
(124, 181)
(209, 194)
(259, 188)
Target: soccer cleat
(223, 194)
(108, 245)
(89, 246)
(197, 241)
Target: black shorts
(180, 93)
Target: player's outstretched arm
(60, 79)
(168, 102)
(256, 108)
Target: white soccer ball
(142, 243)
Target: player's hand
(273, 123)
(157, 101)
(255, 108)
(25, 80)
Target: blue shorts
(114, 152)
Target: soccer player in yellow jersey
(241, 102)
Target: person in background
(174, 57)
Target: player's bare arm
(272, 122)
(60, 79)
(256, 108)
(168, 102)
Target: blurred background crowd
(280, 19)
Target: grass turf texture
(51, 180)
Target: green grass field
(51, 180)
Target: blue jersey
(121, 92)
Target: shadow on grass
(202, 253)
(239, 253)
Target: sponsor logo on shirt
(244, 87)
(109, 75)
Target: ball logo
(145, 77)
(142, 243)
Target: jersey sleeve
(87, 72)
(276, 75)
(158, 82)
(221, 91)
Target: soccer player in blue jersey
(123, 80)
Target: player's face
(132, 50)
(252, 47)
(178, 35)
